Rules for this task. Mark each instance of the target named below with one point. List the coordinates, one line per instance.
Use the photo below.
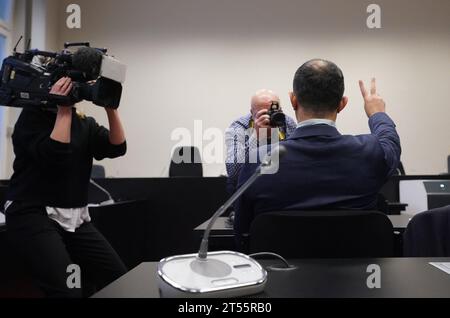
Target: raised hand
(373, 103)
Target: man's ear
(342, 104)
(294, 101)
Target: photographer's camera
(277, 117)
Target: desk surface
(223, 227)
(336, 278)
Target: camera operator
(46, 214)
(257, 125)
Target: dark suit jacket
(323, 170)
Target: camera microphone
(89, 61)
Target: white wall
(202, 59)
(44, 35)
(5, 32)
(11, 114)
(45, 24)
(52, 26)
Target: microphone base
(222, 274)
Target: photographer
(46, 214)
(249, 132)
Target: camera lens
(277, 119)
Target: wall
(202, 59)
(10, 115)
(44, 26)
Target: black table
(332, 278)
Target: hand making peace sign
(373, 103)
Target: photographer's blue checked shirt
(240, 139)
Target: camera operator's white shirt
(68, 219)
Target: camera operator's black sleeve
(101, 147)
(32, 137)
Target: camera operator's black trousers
(48, 250)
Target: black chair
(400, 169)
(323, 234)
(3, 190)
(448, 164)
(98, 172)
(186, 162)
(428, 234)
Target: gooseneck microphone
(110, 198)
(217, 274)
(276, 154)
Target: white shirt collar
(316, 121)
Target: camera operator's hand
(262, 121)
(62, 87)
(373, 103)
(63, 123)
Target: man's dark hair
(319, 86)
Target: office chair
(448, 164)
(323, 234)
(400, 169)
(427, 234)
(3, 190)
(98, 172)
(192, 167)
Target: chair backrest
(186, 162)
(98, 172)
(428, 234)
(323, 234)
(3, 190)
(448, 164)
(401, 169)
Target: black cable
(288, 266)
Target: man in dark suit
(322, 168)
